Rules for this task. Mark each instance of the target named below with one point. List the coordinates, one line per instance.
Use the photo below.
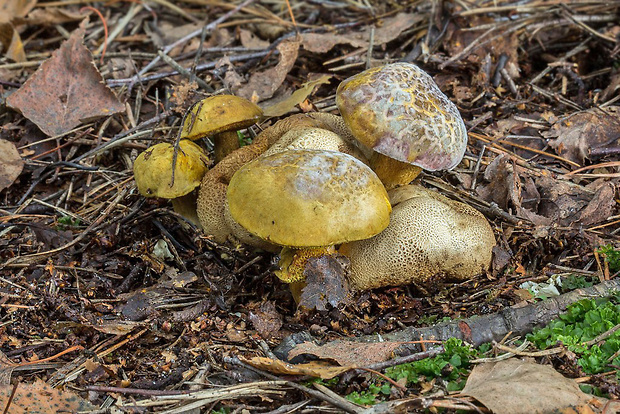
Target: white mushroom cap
(429, 237)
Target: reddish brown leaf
(40, 398)
(66, 90)
(348, 353)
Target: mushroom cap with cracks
(429, 237)
(217, 114)
(153, 170)
(398, 111)
(308, 198)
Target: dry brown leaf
(40, 398)
(117, 327)
(316, 369)
(249, 40)
(11, 164)
(324, 42)
(287, 105)
(389, 30)
(12, 43)
(10, 9)
(265, 83)
(49, 16)
(66, 90)
(518, 386)
(326, 282)
(578, 133)
(348, 353)
(266, 320)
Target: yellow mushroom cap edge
(308, 198)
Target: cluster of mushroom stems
(315, 184)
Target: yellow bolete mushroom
(212, 208)
(314, 138)
(430, 237)
(307, 201)
(219, 117)
(153, 174)
(398, 111)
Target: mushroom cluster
(316, 183)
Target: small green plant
(573, 282)
(582, 322)
(452, 366)
(612, 257)
(65, 222)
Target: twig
(316, 394)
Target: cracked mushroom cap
(314, 138)
(153, 170)
(217, 114)
(430, 237)
(400, 112)
(308, 198)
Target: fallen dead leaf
(49, 16)
(266, 320)
(578, 133)
(264, 84)
(316, 369)
(518, 386)
(40, 398)
(348, 353)
(287, 105)
(326, 282)
(11, 164)
(10, 9)
(12, 43)
(66, 90)
(389, 30)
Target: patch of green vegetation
(582, 322)
(452, 366)
(573, 282)
(65, 222)
(370, 396)
(612, 257)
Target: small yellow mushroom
(153, 175)
(430, 237)
(220, 117)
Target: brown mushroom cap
(398, 111)
(429, 236)
(153, 170)
(219, 113)
(308, 198)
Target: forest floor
(92, 308)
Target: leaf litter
(77, 243)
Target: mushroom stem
(293, 261)
(393, 173)
(186, 206)
(224, 143)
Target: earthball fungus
(430, 237)
(308, 201)
(154, 175)
(399, 111)
(219, 117)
